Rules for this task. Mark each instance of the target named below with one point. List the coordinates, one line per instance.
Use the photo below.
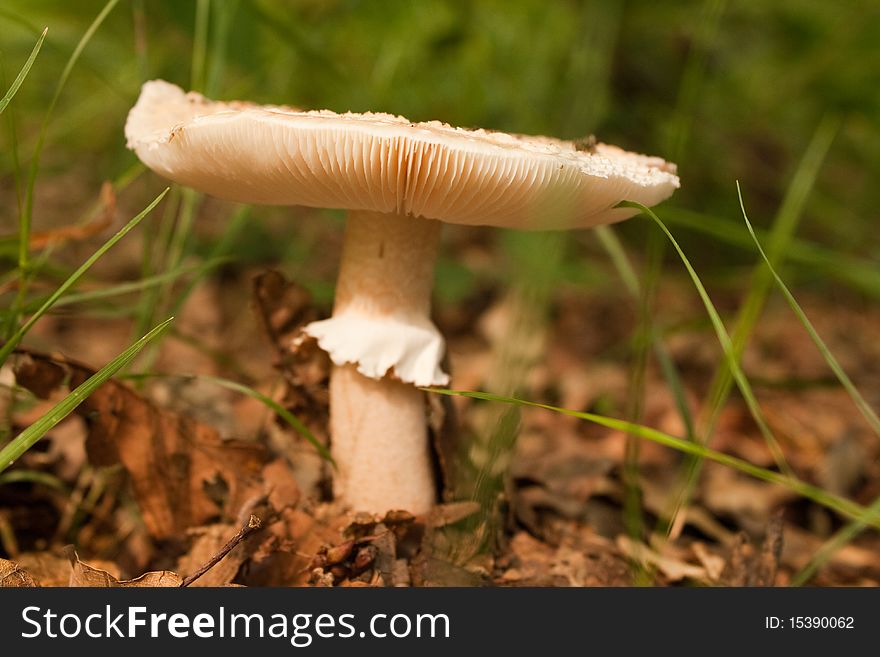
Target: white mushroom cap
(275, 155)
(394, 176)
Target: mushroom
(399, 180)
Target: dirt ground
(168, 475)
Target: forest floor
(156, 475)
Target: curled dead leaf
(84, 575)
(182, 472)
(13, 575)
(48, 568)
(283, 308)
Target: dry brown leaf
(84, 575)
(219, 555)
(529, 563)
(369, 552)
(445, 437)
(655, 497)
(280, 485)
(771, 551)
(386, 554)
(400, 575)
(47, 568)
(284, 308)
(427, 570)
(182, 472)
(289, 546)
(581, 559)
(12, 575)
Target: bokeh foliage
(732, 90)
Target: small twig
(253, 524)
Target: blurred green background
(730, 90)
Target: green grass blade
(139, 24)
(282, 412)
(784, 226)
(830, 501)
(616, 253)
(677, 136)
(859, 273)
(16, 338)
(724, 339)
(224, 24)
(703, 37)
(863, 406)
(153, 262)
(293, 35)
(781, 235)
(845, 534)
(27, 438)
(9, 244)
(32, 477)
(222, 251)
(22, 74)
(611, 243)
(14, 156)
(26, 216)
(173, 237)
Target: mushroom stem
(378, 423)
(380, 443)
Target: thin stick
(253, 524)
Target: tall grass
(22, 74)
(850, 531)
(11, 451)
(27, 213)
(860, 517)
(729, 371)
(16, 337)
